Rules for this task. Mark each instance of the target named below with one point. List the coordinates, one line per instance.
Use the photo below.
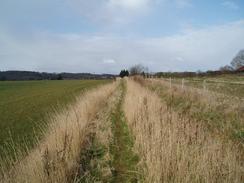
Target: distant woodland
(28, 75)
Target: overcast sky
(105, 36)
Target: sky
(105, 36)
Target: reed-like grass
(175, 148)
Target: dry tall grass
(221, 113)
(56, 157)
(174, 148)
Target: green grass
(227, 85)
(228, 77)
(26, 105)
(90, 163)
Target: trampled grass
(25, 105)
(124, 160)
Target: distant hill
(29, 75)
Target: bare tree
(238, 61)
(226, 68)
(138, 69)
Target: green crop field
(25, 106)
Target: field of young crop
(135, 130)
(25, 107)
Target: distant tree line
(28, 75)
(195, 74)
(236, 67)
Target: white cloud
(112, 11)
(230, 5)
(122, 12)
(130, 4)
(202, 49)
(109, 61)
(183, 3)
(180, 59)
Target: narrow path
(95, 158)
(124, 161)
(108, 156)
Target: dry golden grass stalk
(56, 157)
(174, 148)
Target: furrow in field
(174, 148)
(57, 157)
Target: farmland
(133, 130)
(226, 84)
(25, 107)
